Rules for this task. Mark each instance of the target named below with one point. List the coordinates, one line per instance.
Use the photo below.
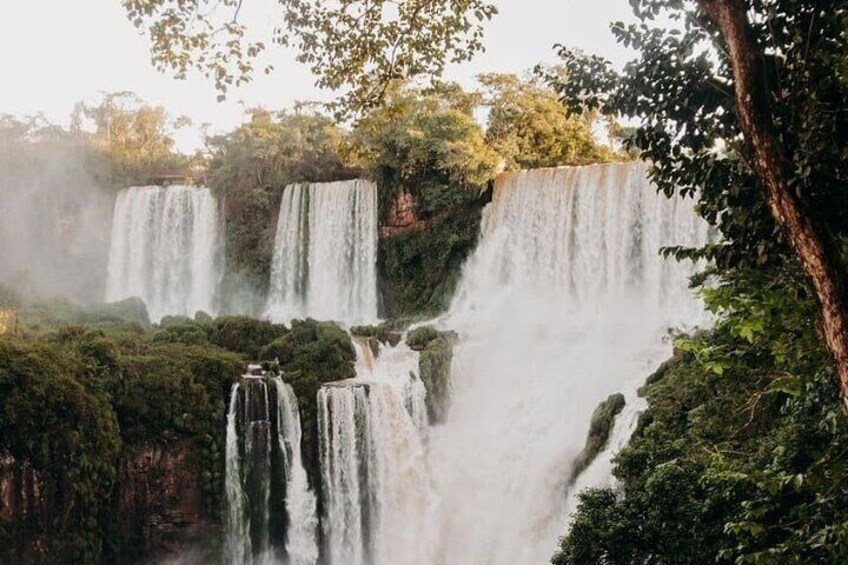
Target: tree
(530, 128)
(744, 104)
(422, 149)
(812, 242)
(136, 138)
(360, 46)
(417, 139)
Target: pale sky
(57, 52)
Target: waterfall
(237, 542)
(301, 542)
(564, 301)
(257, 424)
(164, 249)
(379, 502)
(251, 537)
(324, 263)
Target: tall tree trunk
(812, 243)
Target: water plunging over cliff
(301, 542)
(237, 546)
(263, 459)
(379, 503)
(325, 253)
(164, 249)
(564, 301)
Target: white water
(164, 249)
(380, 504)
(301, 505)
(325, 253)
(564, 301)
(237, 546)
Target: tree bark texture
(813, 245)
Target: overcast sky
(57, 52)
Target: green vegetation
(117, 142)
(600, 428)
(34, 316)
(50, 418)
(76, 400)
(529, 127)
(420, 337)
(434, 368)
(243, 334)
(135, 139)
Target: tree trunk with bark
(815, 248)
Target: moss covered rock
(420, 337)
(603, 419)
(243, 334)
(434, 368)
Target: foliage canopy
(356, 46)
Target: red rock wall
(400, 217)
(161, 503)
(159, 506)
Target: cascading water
(251, 536)
(325, 253)
(301, 542)
(565, 301)
(237, 546)
(379, 503)
(164, 249)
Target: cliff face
(24, 512)
(158, 507)
(161, 506)
(425, 237)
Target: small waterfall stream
(301, 505)
(599, 473)
(237, 546)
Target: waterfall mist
(565, 301)
(54, 214)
